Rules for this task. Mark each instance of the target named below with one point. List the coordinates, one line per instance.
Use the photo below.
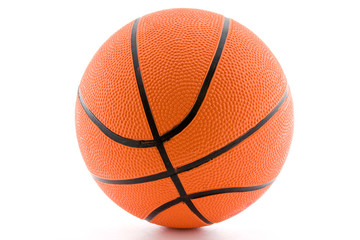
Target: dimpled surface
(109, 88)
(255, 161)
(247, 85)
(220, 207)
(140, 199)
(175, 56)
(178, 216)
(175, 50)
(111, 160)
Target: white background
(46, 191)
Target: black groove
(191, 115)
(149, 178)
(140, 83)
(162, 208)
(150, 118)
(113, 136)
(232, 144)
(205, 194)
(203, 160)
(185, 122)
(192, 207)
(228, 190)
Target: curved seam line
(202, 194)
(189, 117)
(203, 160)
(237, 141)
(229, 190)
(162, 208)
(113, 136)
(149, 178)
(153, 127)
(204, 88)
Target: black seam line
(185, 122)
(191, 115)
(169, 204)
(113, 136)
(162, 208)
(149, 178)
(192, 207)
(232, 144)
(153, 128)
(229, 190)
(205, 159)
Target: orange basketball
(184, 118)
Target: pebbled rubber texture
(109, 88)
(220, 207)
(110, 160)
(175, 49)
(247, 84)
(179, 54)
(178, 216)
(255, 161)
(140, 199)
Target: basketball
(184, 118)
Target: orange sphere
(184, 118)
